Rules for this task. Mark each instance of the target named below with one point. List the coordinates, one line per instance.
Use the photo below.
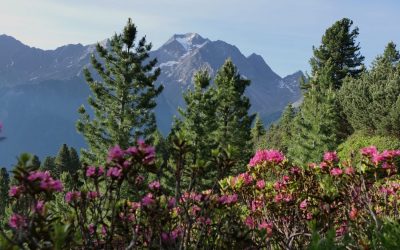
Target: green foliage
(50, 165)
(4, 187)
(74, 162)
(213, 138)
(123, 101)
(63, 159)
(279, 135)
(316, 127)
(35, 161)
(359, 140)
(339, 49)
(258, 134)
(372, 102)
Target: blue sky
(282, 31)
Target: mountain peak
(188, 40)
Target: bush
(274, 204)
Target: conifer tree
(316, 126)
(258, 133)
(124, 99)
(372, 102)
(74, 164)
(279, 135)
(49, 164)
(35, 161)
(232, 117)
(338, 46)
(63, 160)
(4, 187)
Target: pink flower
(323, 165)
(309, 216)
(260, 184)
(155, 185)
(378, 158)
(295, 170)
(165, 236)
(278, 198)
(115, 153)
(246, 177)
(103, 230)
(39, 207)
(15, 191)
(269, 156)
(91, 195)
(303, 205)
(171, 203)
(90, 171)
(369, 151)
(91, 228)
(349, 171)
(249, 222)
(46, 182)
(267, 226)
(231, 199)
(132, 151)
(147, 200)
(279, 185)
(285, 179)
(342, 229)
(72, 196)
(336, 171)
(17, 221)
(353, 213)
(330, 157)
(288, 198)
(114, 172)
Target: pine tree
(338, 46)
(48, 164)
(63, 160)
(75, 163)
(258, 134)
(372, 102)
(123, 101)
(232, 113)
(316, 126)
(279, 135)
(4, 187)
(35, 161)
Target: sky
(281, 31)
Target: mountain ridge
(41, 90)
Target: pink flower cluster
(155, 185)
(72, 196)
(228, 199)
(46, 182)
(270, 156)
(376, 157)
(94, 172)
(330, 157)
(146, 152)
(17, 221)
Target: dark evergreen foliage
(123, 101)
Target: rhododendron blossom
(17, 221)
(330, 157)
(260, 184)
(115, 153)
(336, 171)
(155, 185)
(271, 156)
(72, 196)
(15, 191)
(369, 151)
(303, 205)
(114, 172)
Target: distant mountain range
(41, 90)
